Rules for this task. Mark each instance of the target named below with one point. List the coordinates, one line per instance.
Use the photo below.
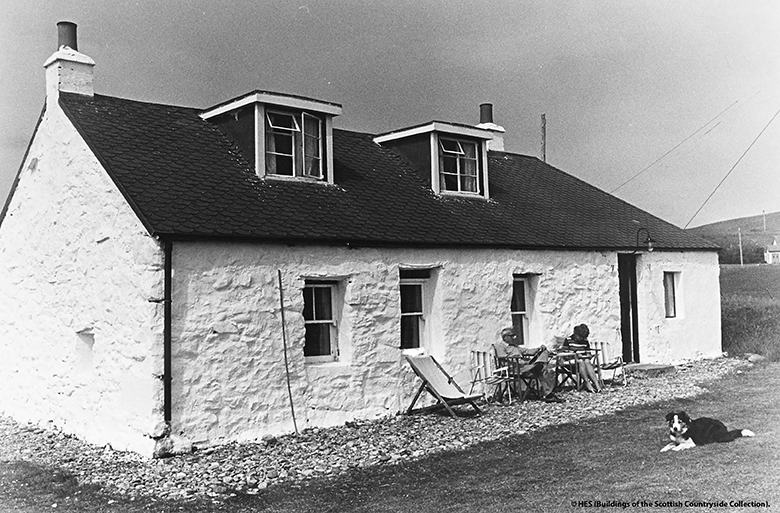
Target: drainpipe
(168, 444)
(168, 249)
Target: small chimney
(485, 113)
(486, 122)
(66, 32)
(67, 70)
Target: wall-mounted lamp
(647, 242)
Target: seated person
(578, 341)
(541, 367)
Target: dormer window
(281, 136)
(458, 165)
(450, 158)
(293, 144)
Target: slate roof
(186, 180)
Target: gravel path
(251, 467)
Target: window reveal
(670, 299)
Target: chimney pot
(485, 113)
(66, 35)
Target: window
(458, 166)
(518, 308)
(293, 144)
(670, 298)
(318, 317)
(412, 306)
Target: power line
(732, 169)
(668, 152)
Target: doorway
(629, 310)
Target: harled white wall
(229, 379)
(694, 332)
(80, 342)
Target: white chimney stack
(486, 122)
(67, 70)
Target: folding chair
(439, 384)
(525, 374)
(609, 362)
(567, 368)
(483, 370)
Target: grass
(610, 458)
(750, 310)
(751, 325)
(753, 281)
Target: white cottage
(772, 253)
(142, 244)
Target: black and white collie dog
(686, 433)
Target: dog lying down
(686, 433)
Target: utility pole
(739, 233)
(544, 138)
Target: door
(629, 313)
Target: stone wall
(80, 341)
(229, 378)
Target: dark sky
(672, 91)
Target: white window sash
(306, 147)
(316, 138)
(461, 172)
(332, 323)
(419, 284)
(295, 128)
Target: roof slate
(185, 179)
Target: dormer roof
(443, 127)
(271, 98)
(186, 180)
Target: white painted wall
(695, 331)
(80, 342)
(228, 367)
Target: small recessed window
(413, 284)
(458, 166)
(293, 144)
(670, 294)
(518, 308)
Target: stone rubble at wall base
(252, 467)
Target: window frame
(522, 314)
(461, 158)
(299, 138)
(419, 284)
(333, 334)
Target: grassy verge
(612, 458)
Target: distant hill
(755, 236)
